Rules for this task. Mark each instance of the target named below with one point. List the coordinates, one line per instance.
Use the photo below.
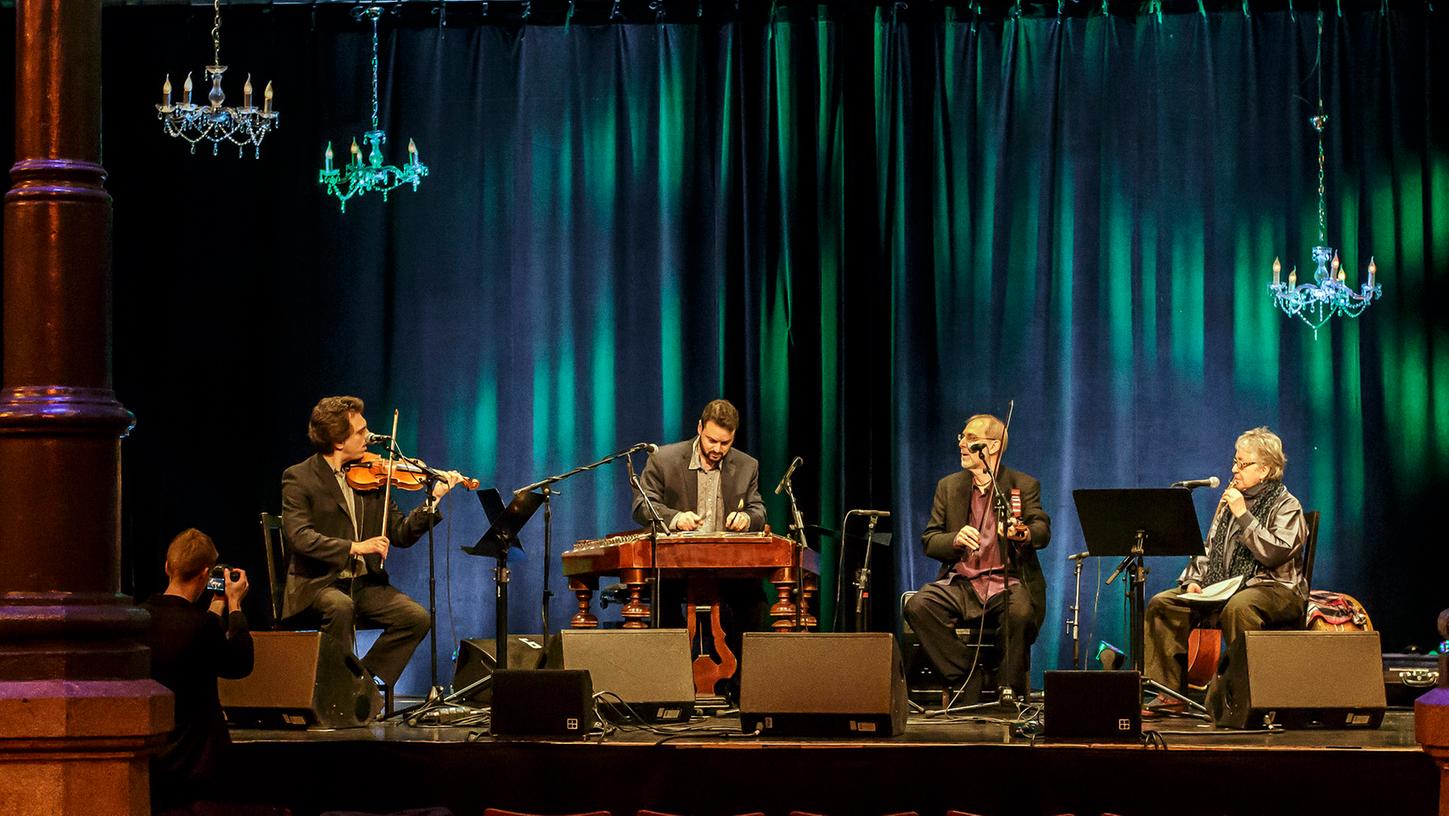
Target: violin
(371, 471)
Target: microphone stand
(546, 486)
(1074, 622)
(862, 576)
(1008, 553)
(797, 528)
(431, 478)
(655, 524)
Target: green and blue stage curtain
(860, 224)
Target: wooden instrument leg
(584, 591)
(783, 609)
(636, 612)
(708, 670)
(812, 588)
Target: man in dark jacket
(707, 485)
(336, 544)
(989, 568)
(191, 646)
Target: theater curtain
(860, 225)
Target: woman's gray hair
(1267, 447)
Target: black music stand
(501, 537)
(1135, 523)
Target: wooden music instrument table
(701, 559)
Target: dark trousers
(1169, 620)
(369, 603)
(936, 611)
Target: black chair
(922, 676)
(274, 545)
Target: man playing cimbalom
(706, 485)
(1257, 534)
(979, 577)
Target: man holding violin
(336, 544)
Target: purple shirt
(984, 568)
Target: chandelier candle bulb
(1292, 277)
(356, 152)
(1373, 268)
(247, 93)
(166, 94)
(327, 159)
(267, 98)
(412, 152)
(1277, 270)
(186, 88)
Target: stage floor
(975, 765)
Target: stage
(976, 766)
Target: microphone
(977, 446)
(1193, 484)
(876, 513)
(648, 447)
(378, 439)
(794, 463)
(1078, 556)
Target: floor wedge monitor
(557, 703)
(300, 679)
(639, 674)
(1299, 679)
(1094, 705)
(805, 684)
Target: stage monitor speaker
(649, 670)
(1094, 705)
(1299, 679)
(300, 679)
(555, 703)
(478, 658)
(807, 684)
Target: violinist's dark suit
(324, 579)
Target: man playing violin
(989, 569)
(336, 547)
(1257, 535)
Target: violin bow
(387, 490)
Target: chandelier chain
(216, 32)
(374, 71)
(1319, 122)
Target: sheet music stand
(501, 537)
(1135, 523)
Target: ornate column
(78, 714)
(1431, 720)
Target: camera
(216, 582)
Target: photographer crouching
(197, 634)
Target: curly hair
(330, 423)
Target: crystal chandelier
(358, 177)
(1328, 296)
(242, 126)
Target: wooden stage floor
(979, 765)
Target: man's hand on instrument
(1234, 498)
(1017, 531)
(451, 478)
(688, 520)
(376, 545)
(967, 538)
(1193, 588)
(737, 521)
